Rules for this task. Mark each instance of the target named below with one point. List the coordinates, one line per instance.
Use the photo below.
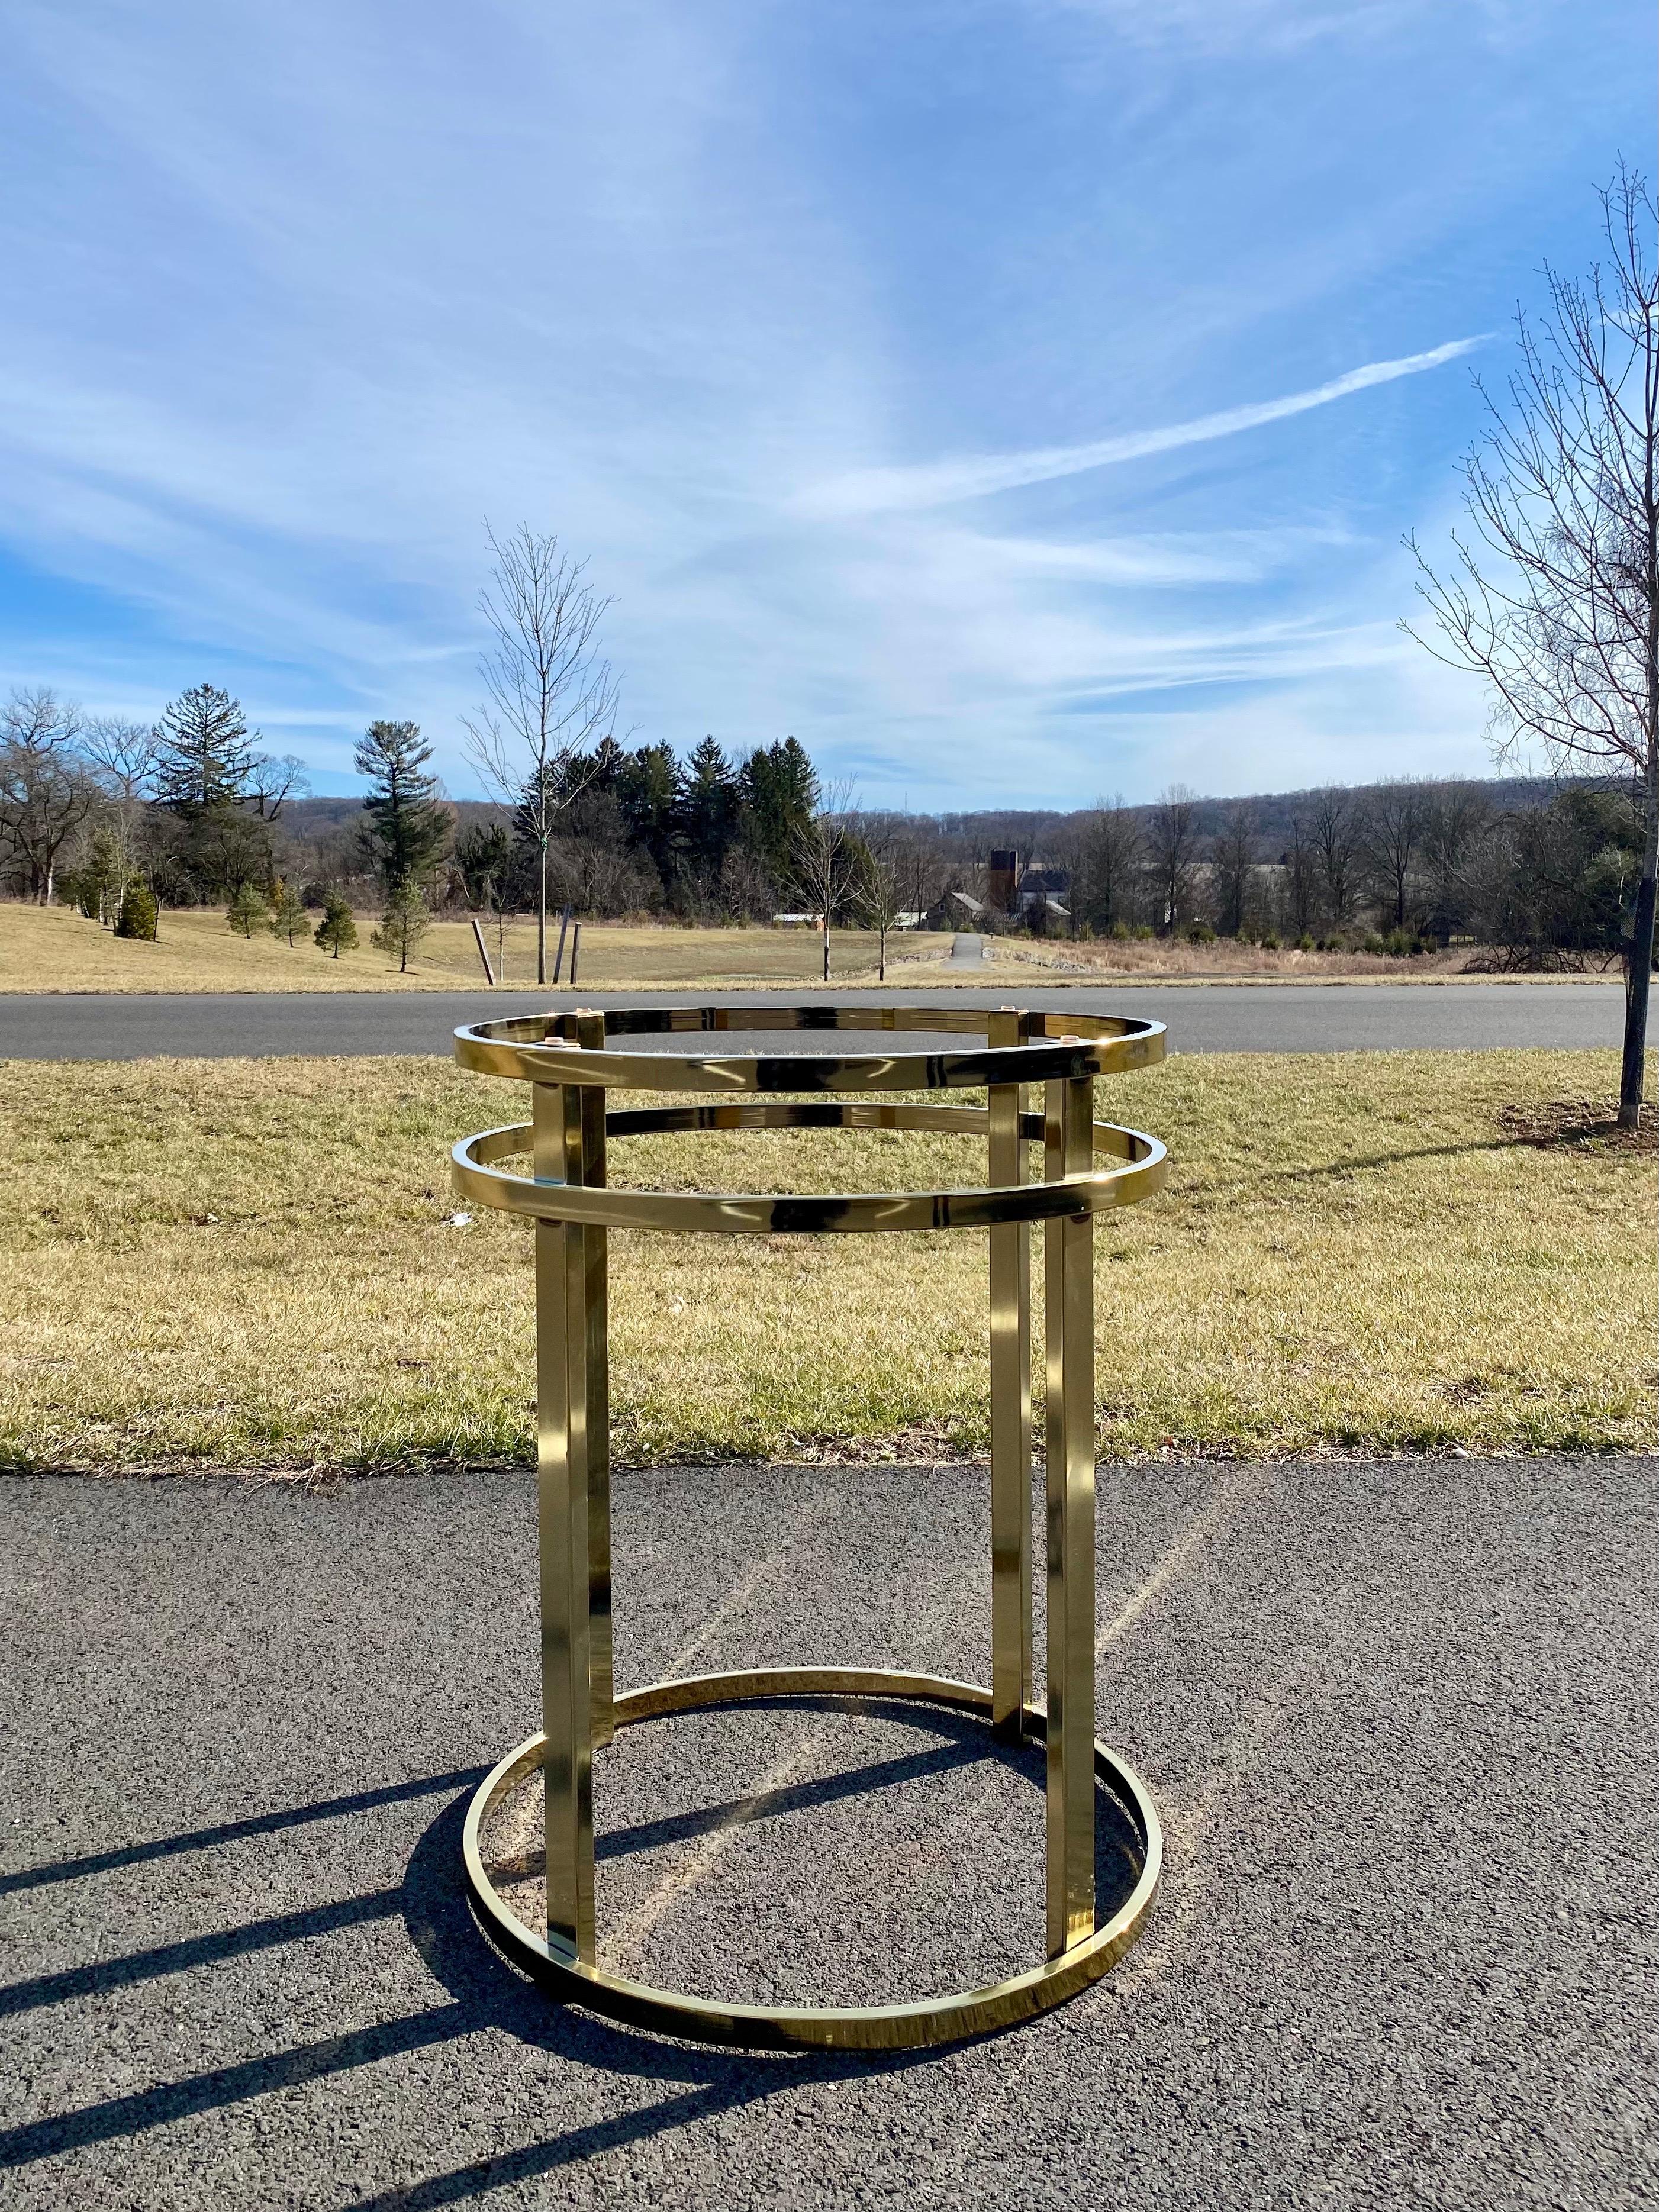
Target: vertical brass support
(562, 1466)
(1069, 1297)
(1011, 1408)
(593, 1354)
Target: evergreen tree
(780, 795)
(288, 911)
(204, 778)
(336, 933)
(710, 812)
(407, 830)
(248, 909)
(204, 754)
(137, 916)
(404, 924)
(650, 791)
(484, 853)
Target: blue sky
(1017, 400)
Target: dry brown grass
(56, 949)
(248, 1263)
(53, 949)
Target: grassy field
(53, 949)
(248, 1263)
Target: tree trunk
(881, 957)
(1638, 975)
(541, 918)
(826, 944)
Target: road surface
(1202, 1018)
(1395, 1719)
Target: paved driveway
(1202, 1018)
(1396, 1717)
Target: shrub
(1270, 942)
(1121, 932)
(247, 910)
(138, 915)
(1143, 933)
(1305, 943)
(337, 932)
(1200, 933)
(404, 922)
(288, 911)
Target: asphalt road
(1396, 1718)
(1202, 1018)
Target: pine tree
(336, 933)
(484, 853)
(407, 831)
(137, 916)
(650, 793)
(404, 924)
(210, 781)
(711, 806)
(780, 792)
(288, 911)
(204, 754)
(248, 909)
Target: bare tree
(1554, 598)
(1233, 866)
(1300, 876)
(549, 694)
(46, 786)
(826, 859)
(1457, 823)
(1393, 823)
(124, 753)
(1173, 843)
(881, 898)
(1334, 829)
(274, 777)
(1111, 863)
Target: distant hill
(1027, 829)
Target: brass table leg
(1069, 1299)
(1011, 1410)
(573, 1470)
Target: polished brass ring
(927, 2021)
(1051, 1048)
(1139, 1170)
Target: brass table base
(572, 1063)
(822, 2027)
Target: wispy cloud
(871, 491)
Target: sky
(1018, 401)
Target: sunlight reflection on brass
(1087, 1166)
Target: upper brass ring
(1140, 1168)
(1061, 1048)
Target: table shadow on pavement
(483, 1993)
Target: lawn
(249, 1263)
(55, 948)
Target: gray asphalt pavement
(1396, 1718)
(1202, 1018)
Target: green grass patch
(247, 1263)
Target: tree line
(114, 815)
(1403, 867)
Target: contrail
(871, 491)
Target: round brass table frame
(1088, 1166)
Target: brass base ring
(824, 2027)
